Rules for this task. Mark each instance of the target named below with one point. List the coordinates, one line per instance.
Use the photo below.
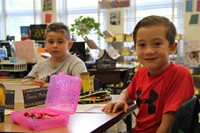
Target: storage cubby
(17, 66)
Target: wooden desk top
(10, 81)
(78, 122)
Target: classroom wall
(191, 28)
(192, 33)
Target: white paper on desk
(93, 108)
(8, 112)
(113, 53)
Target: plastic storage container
(61, 101)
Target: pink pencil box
(61, 101)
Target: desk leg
(128, 122)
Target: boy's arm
(35, 82)
(121, 103)
(166, 122)
(28, 83)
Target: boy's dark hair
(154, 20)
(59, 28)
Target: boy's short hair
(154, 20)
(59, 28)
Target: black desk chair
(126, 81)
(186, 119)
(128, 77)
(98, 84)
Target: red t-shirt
(159, 94)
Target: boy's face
(153, 49)
(56, 44)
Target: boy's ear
(70, 43)
(173, 48)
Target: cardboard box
(119, 37)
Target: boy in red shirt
(160, 86)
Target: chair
(98, 84)
(126, 81)
(128, 77)
(186, 118)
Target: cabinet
(115, 79)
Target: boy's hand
(114, 106)
(38, 82)
(45, 85)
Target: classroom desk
(78, 123)
(113, 76)
(114, 79)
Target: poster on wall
(198, 5)
(192, 53)
(107, 4)
(189, 6)
(47, 5)
(115, 18)
(48, 18)
(194, 19)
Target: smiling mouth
(149, 59)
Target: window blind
(25, 12)
(172, 9)
(77, 8)
(20, 13)
(2, 23)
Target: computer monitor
(38, 31)
(78, 48)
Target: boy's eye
(60, 42)
(50, 41)
(157, 43)
(141, 45)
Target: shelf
(7, 66)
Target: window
(172, 9)
(2, 23)
(75, 9)
(18, 13)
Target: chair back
(128, 77)
(186, 118)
